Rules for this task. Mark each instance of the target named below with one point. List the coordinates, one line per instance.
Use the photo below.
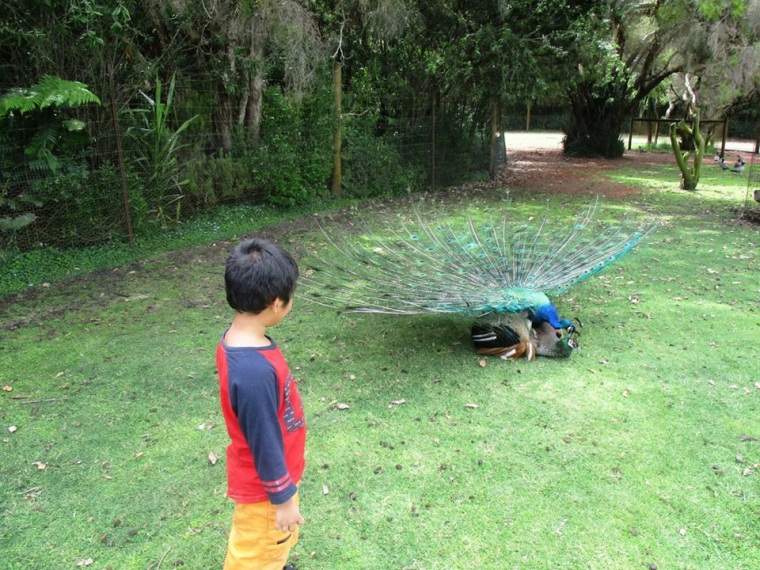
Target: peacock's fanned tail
(472, 268)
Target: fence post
(337, 134)
(725, 136)
(630, 133)
(120, 157)
(432, 138)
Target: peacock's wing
(475, 266)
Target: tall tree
(636, 46)
(237, 44)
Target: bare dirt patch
(536, 162)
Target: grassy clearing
(640, 450)
(25, 271)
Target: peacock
(496, 270)
(513, 335)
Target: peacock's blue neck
(548, 313)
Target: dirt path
(536, 162)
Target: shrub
(607, 144)
(213, 180)
(373, 166)
(290, 166)
(79, 207)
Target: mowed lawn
(640, 451)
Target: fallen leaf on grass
(87, 562)
(12, 429)
(325, 490)
(40, 465)
(398, 402)
(471, 406)
(7, 388)
(212, 458)
(482, 362)
(343, 406)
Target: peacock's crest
(479, 266)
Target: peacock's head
(570, 327)
(553, 342)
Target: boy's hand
(287, 516)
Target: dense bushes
(584, 145)
(172, 173)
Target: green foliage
(39, 139)
(41, 110)
(214, 180)
(51, 91)
(288, 166)
(158, 147)
(374, 166)
(78, 207)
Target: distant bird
(511, 336)
(738, 165)
(756, 195)
(740, 159)
(723, 165)
(717, 158)
(480, 268)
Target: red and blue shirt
(265, 421)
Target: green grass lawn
(641, 451)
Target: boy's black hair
(257, 273)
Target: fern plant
(37, 109)
(43, 100)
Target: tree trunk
(256, 87)
(598, 115)
(254, 108)
(689, 174)
(224, 118)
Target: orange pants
(254, 542)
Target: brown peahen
(499, 272)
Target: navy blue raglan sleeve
(254, 396)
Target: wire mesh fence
(131, 171)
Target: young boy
(262, 409)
